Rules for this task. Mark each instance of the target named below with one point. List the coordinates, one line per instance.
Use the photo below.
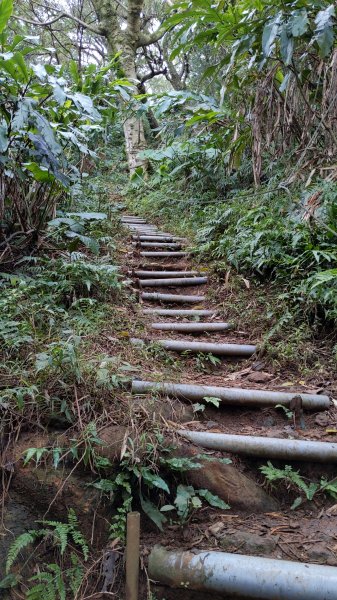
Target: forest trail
(241, 418)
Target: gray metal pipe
(264, 447)
(193, 327)
(165, 274)
(217, 349)
(171, 312)
(175, 281)
(242, 576)
(159, 244)
(231, 396)
(133, 221)
(171, 297)
(158, 236)
(163, 254)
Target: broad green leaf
(286, 45)
(21, 116)
(89, 216)
(4, 141)
(87, 241)
(183, 499)
(270, 32)
(324, 33)
(152, 512)
(6, 9)
(298, 23)
(213, 500)
(39, 172)
(153, 480)
(86, 104)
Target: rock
(320, 554)
(248, 543)
(52, 492)
(322, 419)
(268, 422)
(226, 481)
(259, 377)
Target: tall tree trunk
(125, 42)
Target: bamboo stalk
(132, 556)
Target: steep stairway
(164, 265)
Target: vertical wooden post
(132, 556)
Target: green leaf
(213, 500)
(286, 45)
(87, 241)
(153, 480)
(183, 499)
(324, 33)
(296, 503)
(39, 172)
(10, 581)
(152, 512)
(6, 9)
(213, 400)
(270, 32)
(298, 23)
(197, 407)
(4, 141)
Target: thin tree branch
(54, 19)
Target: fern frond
(21, 542)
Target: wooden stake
(132, 556)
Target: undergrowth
(279, 242)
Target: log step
(171, 312)
(264, 447)
(171, 297)
(230, 396)
(175, 281)
(239, 576)
(205, 347)
(164, 274)
(158, 237)
(158, 244)
(194, 327)
(163, 254)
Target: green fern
(49, 586)
(60, 533)
(21, 542)
(76, 534)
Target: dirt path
(160, 272)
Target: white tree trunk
(134, 143)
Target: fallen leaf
(332, 511)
